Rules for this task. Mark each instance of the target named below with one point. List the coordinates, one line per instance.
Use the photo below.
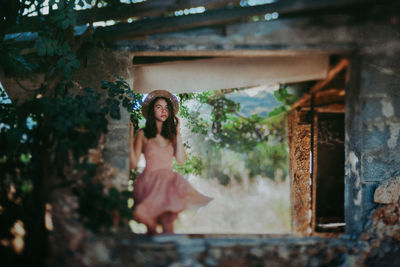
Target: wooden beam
(217, 17)
(332, 108)
(123, 12)
(327, 97)
(342, 64)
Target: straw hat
(159, 93)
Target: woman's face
(161, 111)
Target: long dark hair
(168, 130)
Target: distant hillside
(262, 103)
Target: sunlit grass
(258, 206)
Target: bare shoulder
(140, 134)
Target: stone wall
(68, 240)
(383, 230)
(100, 64)
(239, 251)
(108, 65)
(371, 148)
(373, 127)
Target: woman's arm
(180, 154)
(136, 145)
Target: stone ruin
(371, 148)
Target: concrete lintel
(228, 72)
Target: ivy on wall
(45, 140)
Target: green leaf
(64, 24)
(113, 193)
(115, 112)
(41, 49)
(278, 95)
(75, 63)
(50, 50)
(126, 102)
(277, 111)
(61, 63)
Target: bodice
(158, 157)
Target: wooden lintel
(342, 64)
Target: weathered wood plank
(314, 169)
(341, 65)
(216, 17)
(299, 167)
(332, 108)
(125, 11)
(327, 97)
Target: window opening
(316, 149)
(251, 193)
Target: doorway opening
(316, 141)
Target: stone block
(380, 165)
(375, 138)
(118, 140)
(367, 201)
(394, 140)
(373, 82)
(396, 104)
(116, 160)
(378, 75)
(371, 109)
(389, 192)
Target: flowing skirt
(163, 191)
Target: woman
(159, 192)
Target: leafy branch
(283, 96)
(218, 121)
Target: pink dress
(159, 190)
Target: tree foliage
(45, 140)
(226, 134)
(41, 138)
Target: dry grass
(257, 206)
